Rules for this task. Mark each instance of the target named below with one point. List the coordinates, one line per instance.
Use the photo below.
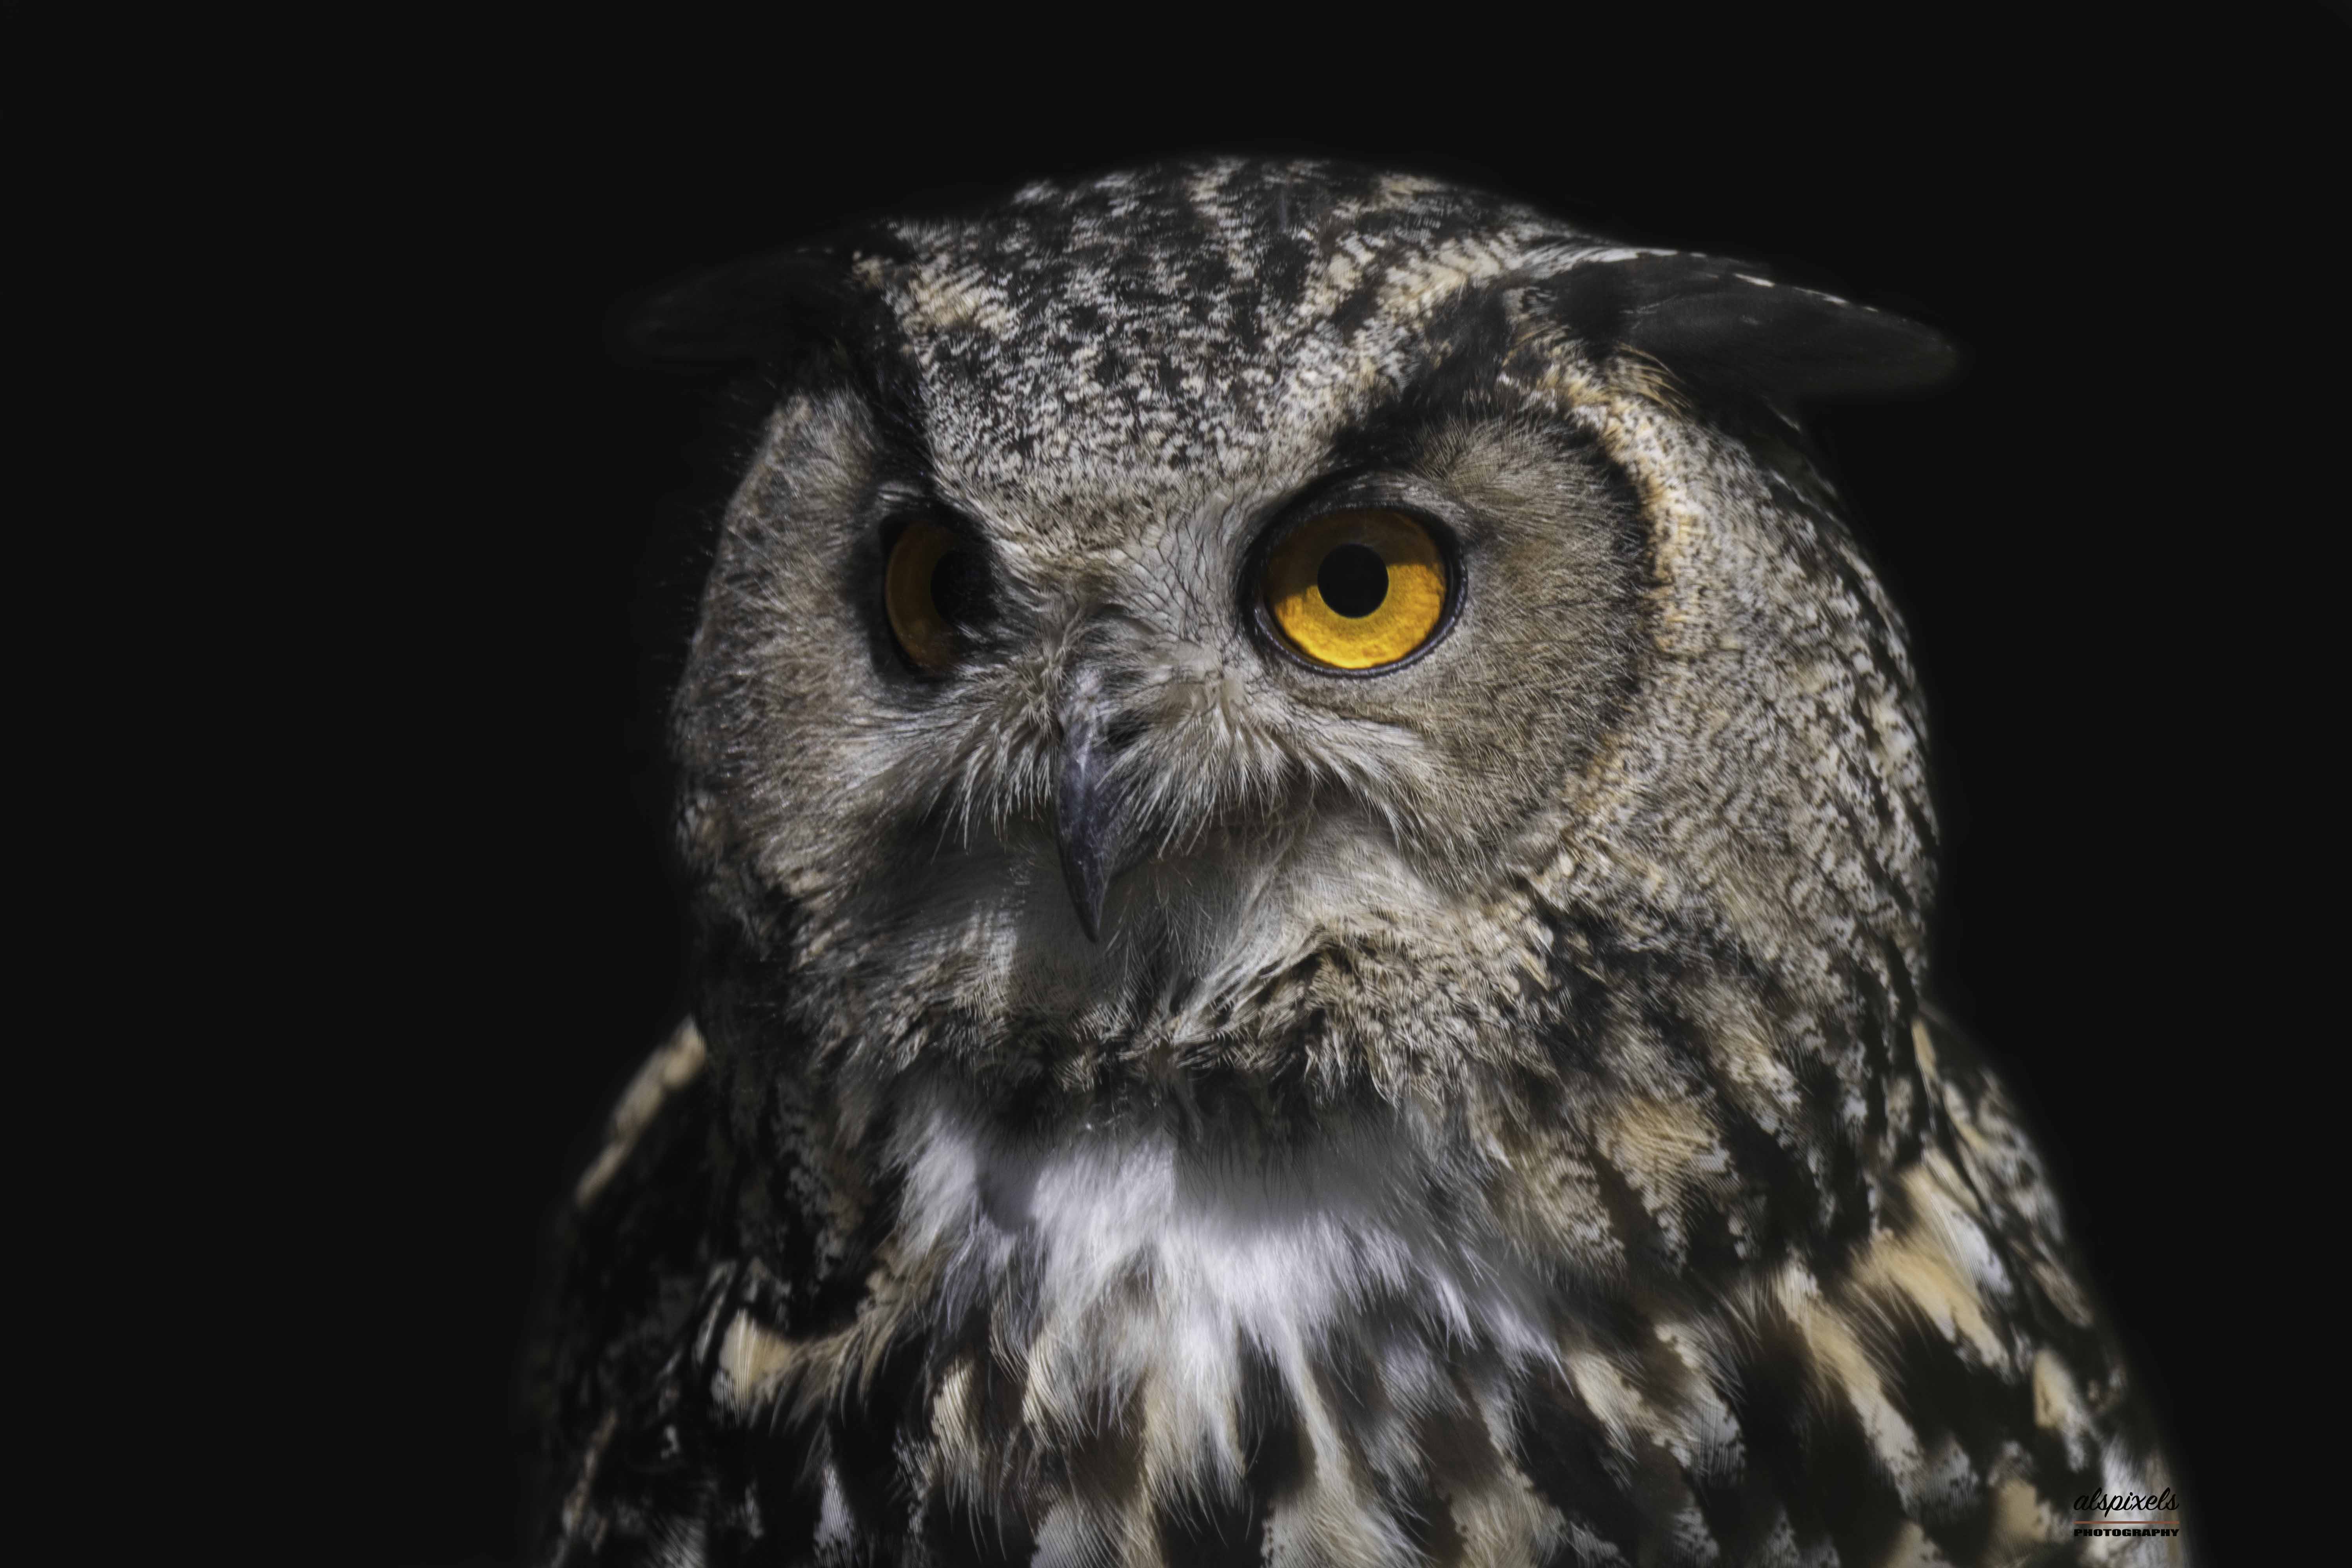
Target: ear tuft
(1723, 323)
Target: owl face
(1164, 614)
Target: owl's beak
(1087, 822)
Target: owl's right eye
(1357, 591)
(933, 591)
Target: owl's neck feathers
(1667, 1117)
(1182, 1282)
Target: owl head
(1272, 622)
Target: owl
(1313, 857)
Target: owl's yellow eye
(931, 590)
(1356, 590)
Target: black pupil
(1353, 580)
(956, 587)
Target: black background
(2096, 535)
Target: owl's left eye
(933, 590)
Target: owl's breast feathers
(1105, 1348)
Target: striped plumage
(1501, 1120)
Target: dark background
(2099, 534)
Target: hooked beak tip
(1088, 827)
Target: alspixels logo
(2126, 1513)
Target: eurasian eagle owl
(1313, 852)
